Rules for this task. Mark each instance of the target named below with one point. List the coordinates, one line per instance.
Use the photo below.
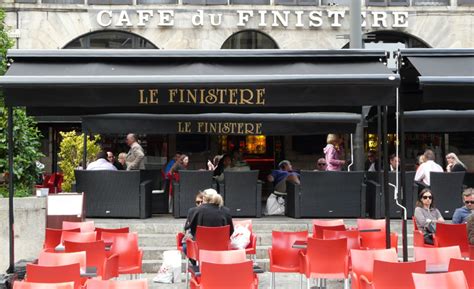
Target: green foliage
(26, 135)
(71, 152)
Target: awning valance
(132, 80)
(445, 76)
(223, 123)
(442, 121)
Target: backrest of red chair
(327, 256)
(54, 274)
(363, 260)
(318, 230)
(125, 245)
(110, 230)
(112, 284)
(282, 251)
(471, 252)
(451, 235)
(373, 240)
(95, 253)
(415, 225)
(53, 237)
(213, 238)
(467, 266)
(59, 181)
(364, 224)
(395, 275)
(352, 236)
(84, 226)
(222, 257)
(437, 255)
(246, 223)
(59, 259)
(450, 280)
(328, 223)
(218, 276)
(30, 285)
(78, 237)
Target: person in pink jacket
(333, 152)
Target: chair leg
(272, 280)
(186, 272)
(301, 281)
(346, 283)
(308, 286)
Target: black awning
(445, 76)
(223, 123)
(130, 80)
(439, 121)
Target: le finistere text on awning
(141, 18)
(216, 127)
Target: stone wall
(30, 224)
(43, 26)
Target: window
(297, 2)
(249, 39)
(26, 1)
(110, 2)
(205, 2)
(431, 2)
(465, 2)
(63, 1)
(157, 2)
(388, 2)
(110, 40)
(250, 2)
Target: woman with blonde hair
(211, 213)
(333, 152)
(454, 164)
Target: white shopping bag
(275, 205)
(170, 270)
(240, 239)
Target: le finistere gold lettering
(203, 96)
(205, 127)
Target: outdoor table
(437, 268)
(91, 272)
(300, 244)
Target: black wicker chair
(327, 195)
(184, 191)
(242, 193)
(117, 194)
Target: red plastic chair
(78, 237)
(352, 236)
(59, 259)
(54, 274)
(394, 275)
(53, 237)
(111, 284)
(471, 252)
(210, 238)
(467, 266)
(233, 276)
(116, 230)
(437, 257)
(179, 241)
(418, 237)
(320, 225)
(252, 246)
(325, 259)
(450, 280)
(363, 264)
(84, 226)
(130, 256)
(107, 267)
(283, 257)
(30, 285)
(375, 240)
(448, 235)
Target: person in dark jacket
(454, 163)
(211, 213)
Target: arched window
(110, 39)
(249, 39)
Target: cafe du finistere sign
(243, 18)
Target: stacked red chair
(53, 238)
(448, 235)
(235, 275)
(283, 257)
(438, 257)
(125, 245)
(29, 285)
(363, 264)
(450, 280)
(320, 225)
(111, 284)
(375, 240)
(83, 226)
(395, 275)
(54, 274)
(78, 237)
(467, 266)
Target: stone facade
(52, 26)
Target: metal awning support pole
(379, 142)
(385, 167)
(11, 191)
(84, 152)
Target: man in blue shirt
(172, 161)
(461, 214)
(282, 175)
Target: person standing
(333, 152)
(422, 175)
(461, 215)
(136, 156)
(454, 164)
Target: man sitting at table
(283, 174)
(101, 163)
